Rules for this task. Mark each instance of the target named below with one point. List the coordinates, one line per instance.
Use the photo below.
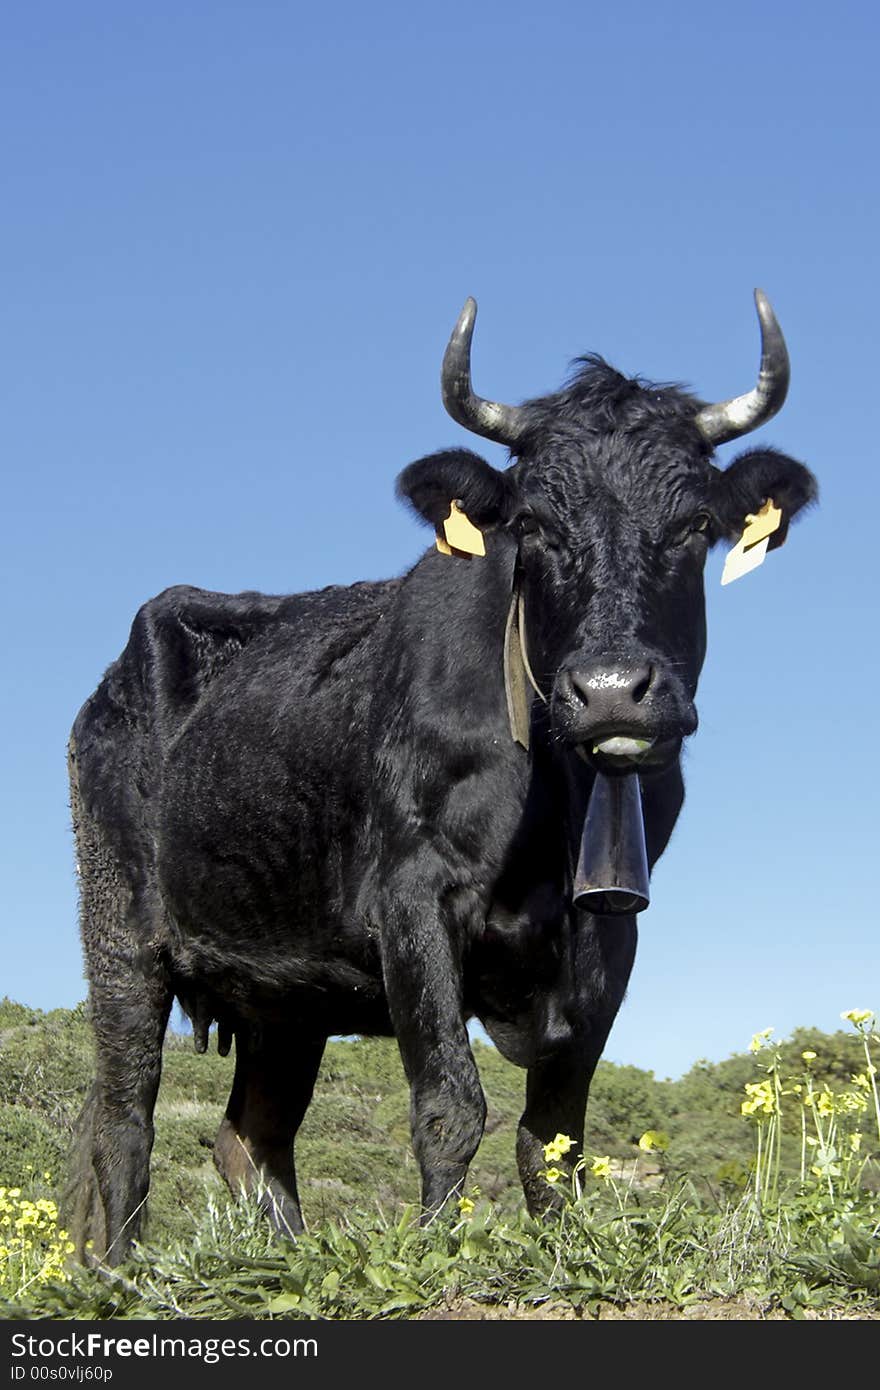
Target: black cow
(338, 812)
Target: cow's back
(176, 691)
(263, 781)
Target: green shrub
(29, 1144)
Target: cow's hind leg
(129, 1023)
(275, 1073)
(129, 1003)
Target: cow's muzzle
(622, 713)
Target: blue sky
(235, 239)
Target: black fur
(306, 815)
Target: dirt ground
(715, 1309)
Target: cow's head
(613, 501)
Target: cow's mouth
(620, 753)
(622, 746)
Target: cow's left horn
(503, 423)
(729, 419)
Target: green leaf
(284, 1303)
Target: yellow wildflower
(601, 1168)
(465, 1206)
(654, 1140)
(32, 1248)
(759, 1097)
(852, 1103)
(557, 1147)
(825, 1103)
(760, 1040)
(553, 1174)
(855, 1141)
(857, 1016)
(809, 1056)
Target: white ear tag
(750, 549)
(740, 560)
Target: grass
(667, 1249)
(726, 1202)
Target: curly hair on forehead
(597, 398)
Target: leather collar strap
(517, 670)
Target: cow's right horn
(503, 423)
(729, 419)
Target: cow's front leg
(422, 968)
(558, 1084)
(556, 1100)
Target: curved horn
(503, 423)
(729, 419)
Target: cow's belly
(321, 998)
(261, 789)
(269, 940)
(259, 851)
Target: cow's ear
(431, 484)
(754, 476)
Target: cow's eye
(534, 533)
(700, 524)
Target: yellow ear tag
(460, 535)
(750, 549)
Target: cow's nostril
(565, 684)
(643, 685)
(574, 687)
